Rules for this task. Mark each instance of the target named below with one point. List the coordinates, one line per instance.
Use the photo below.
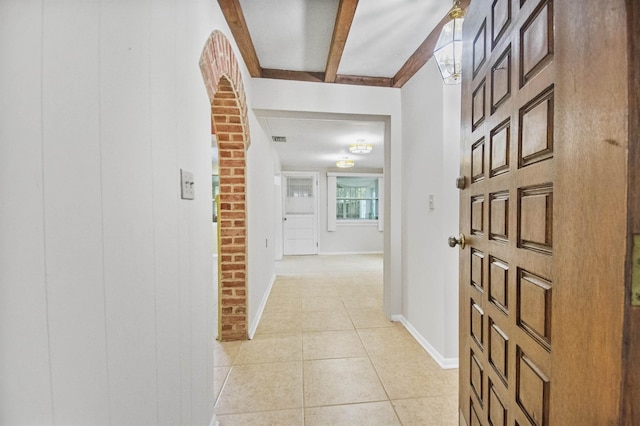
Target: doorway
(300, 218)
(229, 123)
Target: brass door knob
(453, 241)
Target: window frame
(332, 221)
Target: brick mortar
(224, 85)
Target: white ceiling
(291, 34)
(317, 143)
(296, 35)
(385, 33)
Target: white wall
(430, 129)
(106, 294)
(347, 238)
(335, 101)
(261, 216)
(278, 247)
(450, 221)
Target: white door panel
(300, 228)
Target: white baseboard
(342, 253)
(445, 363)
(214, 421)
(254, 324)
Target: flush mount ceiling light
(360, 147)
(448, 51)
(345, 164)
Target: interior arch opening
(229, 125)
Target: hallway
(324, 354)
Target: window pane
(300, 197)
(357, 209)
(300, 187)
(215, 190)
(356, 198)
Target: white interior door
(300, 219)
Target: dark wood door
(535, 321)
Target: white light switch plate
(186, 185)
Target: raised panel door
(507, 213)
(549, 129)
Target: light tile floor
(325, 354)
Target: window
(356, 198)
(215, 191)
(300, 197)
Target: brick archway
(223, 81)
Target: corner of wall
(254, 321)
(444, 362)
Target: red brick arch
(223, 81)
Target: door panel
(545, 136)
(507, 210)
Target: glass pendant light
(448, 51)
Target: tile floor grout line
(304, 399)
(393, 407)
(350, 293)
(222, 387)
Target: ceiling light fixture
(345, 164)
(360, 147)
(448, 51)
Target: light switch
(431, 202)
(186, 185)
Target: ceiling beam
(319, 77)
(344, 18)
(360, 80)
(293, 75)
(235, 18)
(424, 52)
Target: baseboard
(342, 253)
(462, 421)
(254, 324)
(445, 363)
(214, 421)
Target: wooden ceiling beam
(293, 75)
(346, 11)
(424, 52)
(319, 77)
(360, 80)
(344, 18)
(235, 18)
